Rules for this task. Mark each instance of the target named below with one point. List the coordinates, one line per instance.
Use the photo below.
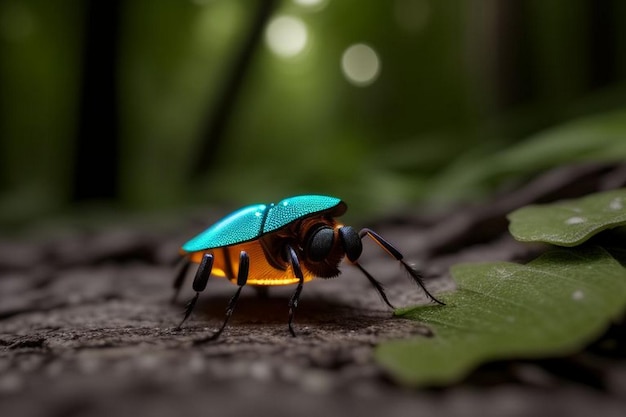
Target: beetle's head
(319, 242)
(325, 243)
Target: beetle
(289, 242)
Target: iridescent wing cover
(251, 222)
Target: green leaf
(552, 306)
(599, 138)
(571, 222)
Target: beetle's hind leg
(199, 282)
(242, 279)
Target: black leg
(417, 278)
(377, 285)
(199, 283)
(242, 278)
(293, 302)
(351, 242)
(388, 247)
(180, 278)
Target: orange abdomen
(226, 264)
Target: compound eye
(320, 243)
(351, 242)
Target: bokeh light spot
(360, 64)
(286, 36)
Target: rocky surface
(87, 328)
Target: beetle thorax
(298, 235)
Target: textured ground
(86, 328)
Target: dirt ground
(87, 328)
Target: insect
(289, 242)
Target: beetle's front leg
(391, 250)
(293, 302)
(351, 242)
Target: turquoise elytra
(251, 222)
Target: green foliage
(569, 223)
(552, 306)
(599, 137)
(434, 127)
(39, 75)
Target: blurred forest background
(144, 106)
